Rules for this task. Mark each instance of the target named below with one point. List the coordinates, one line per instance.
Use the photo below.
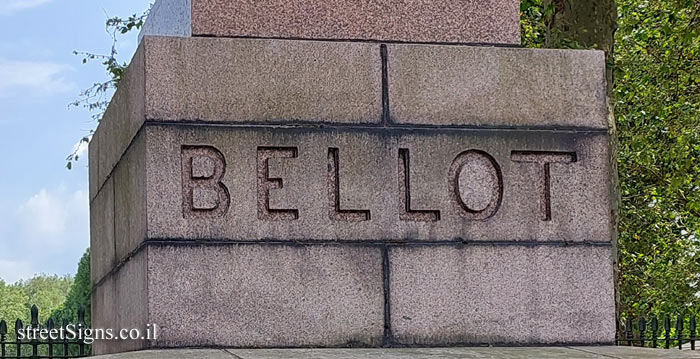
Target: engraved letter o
(483, 164)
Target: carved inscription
(544, 160)
(488, 186)
(204, 196)
(334, 211)
(405, 211)
(475, 185)
(265, 184)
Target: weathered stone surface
(120, 122)
(130, 199)
(256, 184)
(239, 81)
(247, 80)
(254, 205)
(641, 353)
(266, 296)
(248, 296)
(302, 82)
(589, 352)
(120, 302)
(471, 21)
(102, 240)
(480, 86)
(412, 353)
(502, 294)
(104, 313)
(168, 166)
(133, 292)
(93, 162)
(174, 353)
(168, 18)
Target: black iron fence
(679, 332)
(665, 333)
(44, 341)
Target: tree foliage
(657, 102)
(96, 97)
(56, 297)
(13, 302)
(46, 292)
(657, 107)
(78, 295)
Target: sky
(44, 210)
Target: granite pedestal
(278, 192)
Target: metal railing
(680, 333)
(18, 345)
(655, 334)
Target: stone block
(120, 302)
(246, 192)
(496, 87)
(102, 240)
(104, 313)
(502, 294)
(168, 18)
(240, 81)
(485, 21)
(132, 292)
(300, 184)
(585, 352)
(93, 162)
(122, 118)
(130, 199)
(410, 353)
(244, 80)
(173, 354)
(253, 296)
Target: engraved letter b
(203, 194)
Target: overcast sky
(44, 216)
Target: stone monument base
(591, 352)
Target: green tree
(571, 24)
(13, 303)
(78, 296)
(658, 114)
(96, 97)
(46, 292)
(657, 106)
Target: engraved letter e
(203, 194)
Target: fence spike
(18, 328)
(35, 316)
(679, 331)
(50, 325)
(3, 335)
(654, 331)
(81, 315)
(667, 327)
(642, 330)
(693, 331)
(629, 335)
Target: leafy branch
(96, 97)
